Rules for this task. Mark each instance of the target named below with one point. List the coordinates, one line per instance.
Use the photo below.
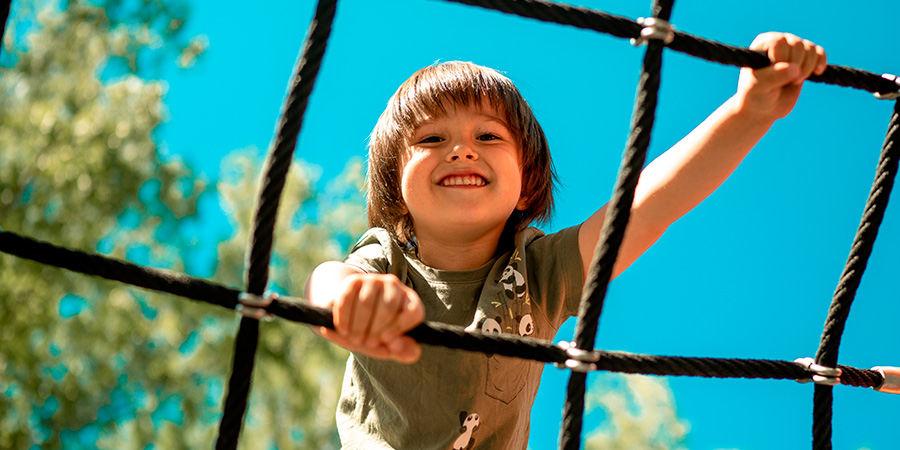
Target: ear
(522, 205)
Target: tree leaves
(88, 363)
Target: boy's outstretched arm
(372, 312)
(678, 180)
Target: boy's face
(460, 174)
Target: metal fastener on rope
(891, 376)
(254, 306)
(890, 95)
(829, 376)
(579, 360)
(654, 28)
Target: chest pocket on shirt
(506, 376)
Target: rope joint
(656, 29)
(828, 376)
(890, 95)
(579, 360)
(254, 306)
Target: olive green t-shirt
(453, 399)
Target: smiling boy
(458, 168)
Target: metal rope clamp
(579, 360)
(655, 29)
(890, 95)
(829, 376)
(254, 306)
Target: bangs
(434, 89)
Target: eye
(488, 137)
(430, 140)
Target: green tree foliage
(87, 363)
(640, 413)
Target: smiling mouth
(463, 180)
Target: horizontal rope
(625, 28)
(431, 333)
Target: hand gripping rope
(578, 356)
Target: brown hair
(428, 93)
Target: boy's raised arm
(678, 180)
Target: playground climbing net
(579, 356)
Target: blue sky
(748, 274)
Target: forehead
(483, 112)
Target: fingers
(368, 299)
(821, 60)
(371, 315)
(800, 57)
(410, 313)
(392, 296)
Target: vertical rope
(614, 226)
(5, 6)
(279, 160)
(876, 204)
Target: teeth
(467, 180)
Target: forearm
(696, 166)
(682, 177)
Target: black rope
(5, 6)
(305, 71)
(430, 333)
(692, 45)
(876, 204)
(117, 270)
(281, 155)
(615, 223)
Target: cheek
(412, 178)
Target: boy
(458, 167)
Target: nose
(462, 151)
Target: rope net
(580, 355)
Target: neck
(455, 253)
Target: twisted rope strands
(851, 376)
(686, 43)
(562, 14)
(876, 204)
(432, 333)
(5, 6)
(277, 165)
(844, 294)
(615, 223)
(822, 400)
(117, 270)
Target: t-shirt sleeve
(368, 254)
(556, 274)
(376, 252)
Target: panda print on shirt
(513, 282)
(507, 310)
